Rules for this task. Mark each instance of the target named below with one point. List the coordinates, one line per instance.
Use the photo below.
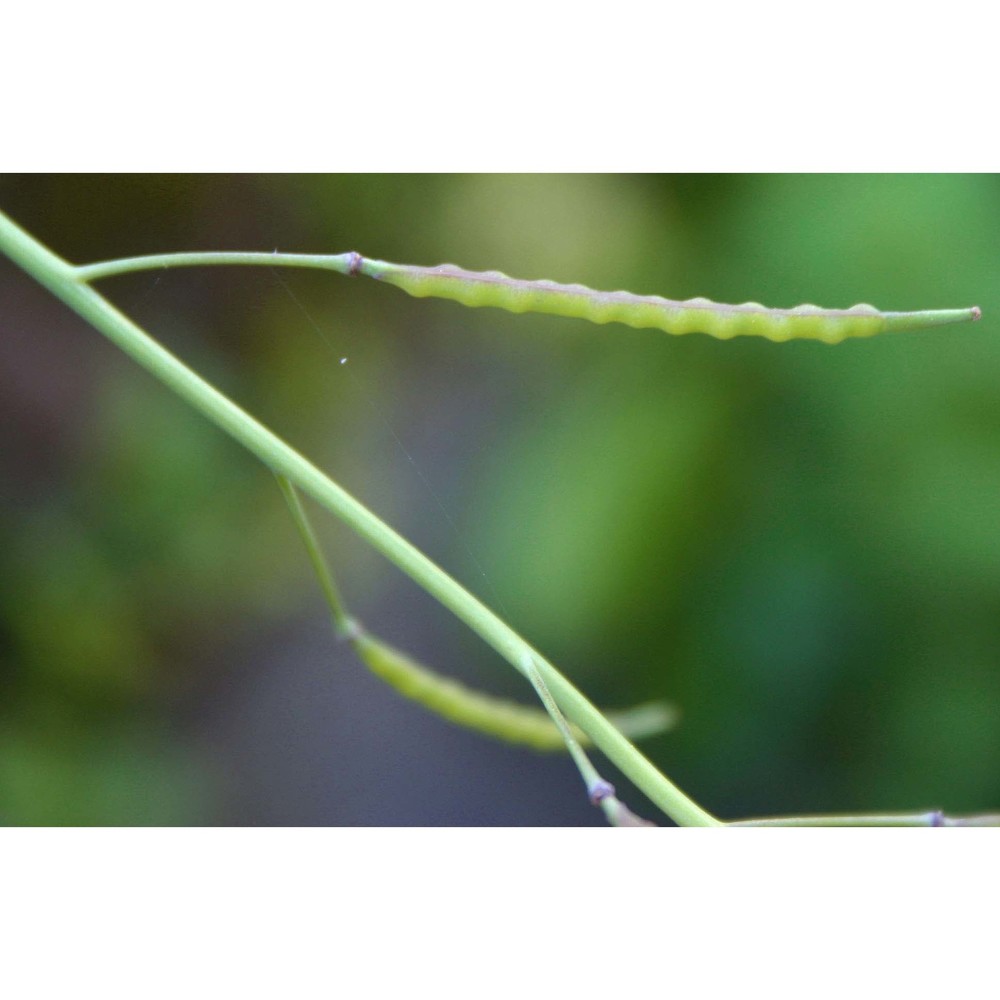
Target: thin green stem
(587, 770)
(340, 263)
(65, 282)
(600, 791)
(343, 624)
(935, 818)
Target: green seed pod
(498, 717)
(492, 288)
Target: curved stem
(64, 281)
(344, 263)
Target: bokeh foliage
(796, 542)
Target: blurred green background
(797, 543)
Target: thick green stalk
(66, 283)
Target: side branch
(344, 263)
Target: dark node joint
(600, 790)
(356, 260)
(937, 818)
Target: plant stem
(340, 263)
(343, 624)
(587, 770)
(66, 283)
(600, 791)
(935, 818)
